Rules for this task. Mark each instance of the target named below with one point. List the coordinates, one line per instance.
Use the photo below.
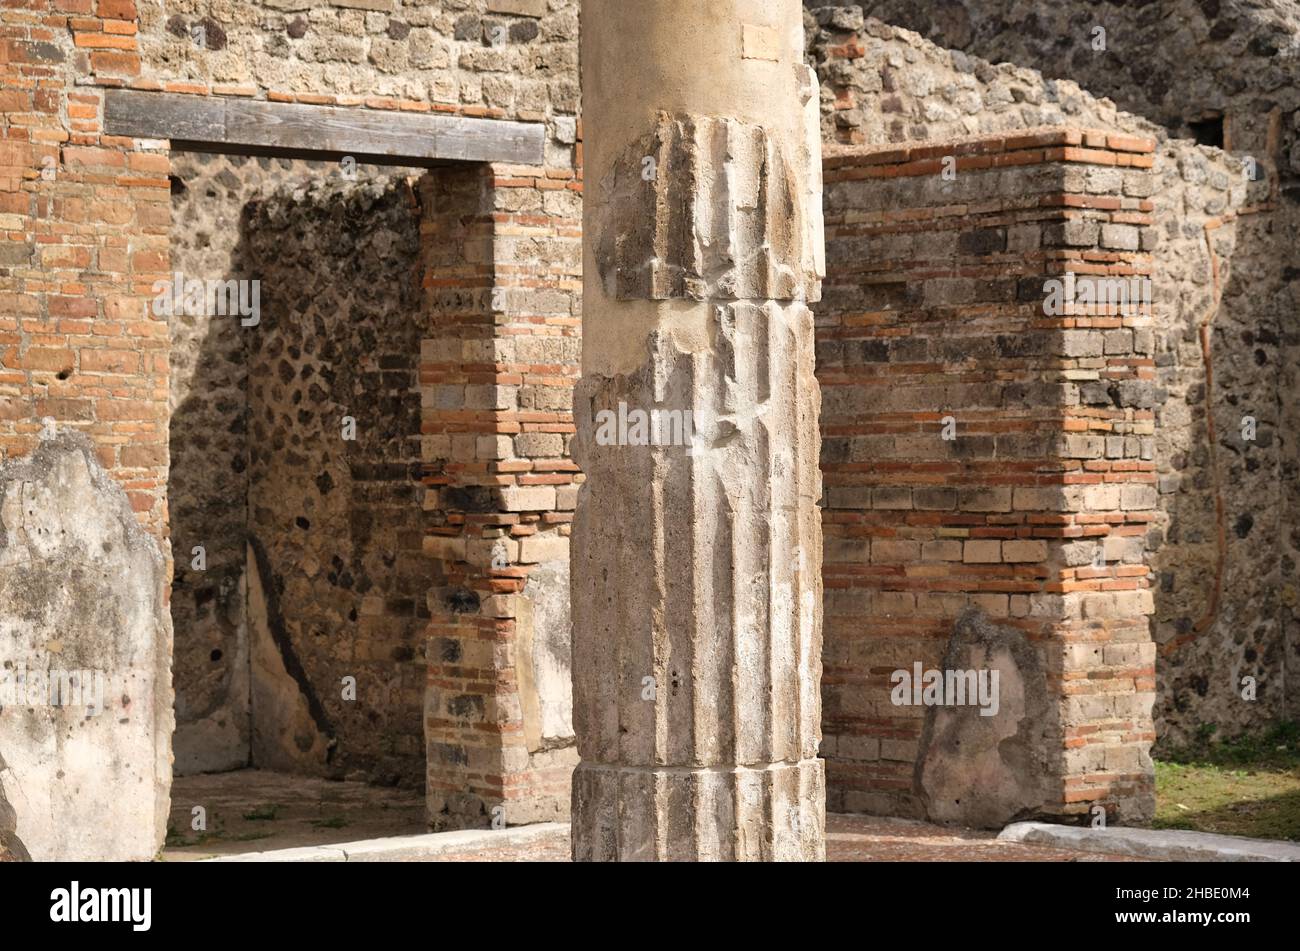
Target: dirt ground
(253, 810)
(258, 811)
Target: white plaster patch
(761, 42)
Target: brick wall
(497, 376)
(985, 546)
(86, 216)
(83, 236)
(1228, 551)
(84, 244)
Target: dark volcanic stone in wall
(340, 517)
(208, 482)
(1170, 61)
(337, 522)
(1222, 73)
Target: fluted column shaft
(697, 542)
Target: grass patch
(186, 838)
(334, 822)
(179, 840)
(262, 814)
(1244, 786)
(250, 836)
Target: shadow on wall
(1227, 570)
(1215, 72)
(295, 465)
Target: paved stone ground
(257, 810)
(873, 839)
(848, 839)
(253, 810)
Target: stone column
(696, 560)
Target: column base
(773, 813)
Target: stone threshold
(1157, 844)
(407, 848)
(850, 838)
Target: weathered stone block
(892, 551)
(1138, 497)
(982, 551)
(1081, 343)
(986, 500)
(941, 550)
(384, 6)
(85, 663)
(1120, 237)
(850, 497)
(1024, 550)
(539, 548)
(1075, 233)
(525, 8)
(528, 498)
(1007, 754)
(891, 498)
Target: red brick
(116, 9)
(1130, 143)
(36, 358)
(114, 62)
(93, 158)
(143, 457)
(104, 40)
(109, 361)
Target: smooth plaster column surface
(696, 561)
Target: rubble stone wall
(1225, 512)
(1219, 73)
(263, 479)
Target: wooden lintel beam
(255, 126)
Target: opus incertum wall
(1228, 553)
